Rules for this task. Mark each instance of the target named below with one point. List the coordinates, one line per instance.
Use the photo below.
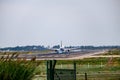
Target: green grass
(16, 69)
(96, 68)
(113, 52)
(94, 72)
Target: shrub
(11, 69)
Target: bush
(11, 69)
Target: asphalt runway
(62, 56)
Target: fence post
(47, 71)
(85, 76)
(75, 70)
(88, 65)
(50, 69)
(53, 68)
(51, 76)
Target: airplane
(63, 50)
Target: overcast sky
(47, 22)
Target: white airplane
(61, 49)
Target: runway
(63, 56)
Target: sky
(47, 22)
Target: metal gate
(60, 74)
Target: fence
(99, 71)
(60, 74)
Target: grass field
(99, 68)
(96, 68)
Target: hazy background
(47, 22)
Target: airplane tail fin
(61, 44)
